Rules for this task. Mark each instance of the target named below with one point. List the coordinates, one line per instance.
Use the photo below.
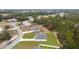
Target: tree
(76, 36)
(4, 35)
(7, 26)
(1, 17)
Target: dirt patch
(13, 32)
(44, 29)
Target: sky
(39, 4)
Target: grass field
(45, 47)
(26, 44)
(29, 35)
(51, 40)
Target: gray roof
(1, 29)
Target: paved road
(16, 40)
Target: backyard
(29, 35)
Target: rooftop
(26, 23)
(1, 29)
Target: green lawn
(26, 44)
(45, 47)
(29, 35)
(51, 40)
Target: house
(31, 19)
(1, 29)
(61, 14)
(12, 20)
(26, 23)
(45, 16)
(52, 15)
(42, 16)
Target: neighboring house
(30, 18)
(42, 16)
(26, 23)
(52, 15)
(12, 20)
(39, 17)
(61, 14)
(1, 29)
(45, 16)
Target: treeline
(22, 16)
(19, 17)
(67, 28)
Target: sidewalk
(27, 32)
(57, 38)
(49, 46)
